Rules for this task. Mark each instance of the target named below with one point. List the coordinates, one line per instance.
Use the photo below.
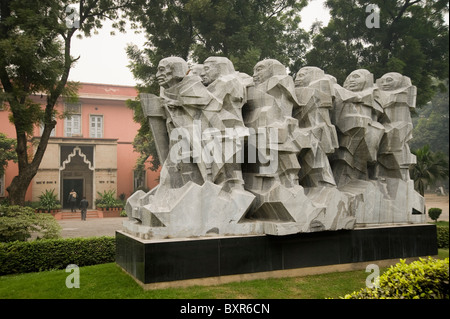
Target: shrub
(434, 213)
(34, 205)
(49, 200)
(422, 279)
(18, 223)
(21, 257)
(108, 199)
(442, 236)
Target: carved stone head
(308, 74)
(359, 80)
(196, 70)
(392, 81)
(265, 69)
(214, 67)
(171, 71)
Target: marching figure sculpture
(182, 98)
(224, 116)
(248, 155)
(314, 91)
(272, 165)
(397, 97)
(269, 115)
(355, 114)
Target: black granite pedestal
(169, 260)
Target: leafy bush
(422, 279)
(21, 257)
(34, 205)
(18, 223)
(108, 199)
(434, 213)
(49, 200)
(442, 236)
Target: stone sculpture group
(273, 154)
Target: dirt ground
(108, 226)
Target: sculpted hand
(171, 103)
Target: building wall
(113, 155)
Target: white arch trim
(83, 156)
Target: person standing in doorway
(83, 206)
(72, 200)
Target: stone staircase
(66, 214)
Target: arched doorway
(77, 173)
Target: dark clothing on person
(72, 200)
(83, 206)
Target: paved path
(91, 227)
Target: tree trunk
(19, 185)
(18, 188)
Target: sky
(103, 58)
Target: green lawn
(108, 281)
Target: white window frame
(70, 128)
(96, 131)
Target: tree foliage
(244, 31)
(18, 223)
(7, 152)
(412, 39)
(431, 124)
(430, 168)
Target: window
(73, 125)
(96, 126)
(2, 185)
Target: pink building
(90, 151)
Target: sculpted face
(262, 72)
(197, 69)
(211, 72)
(390, 81)
(165, 76)
(355, 82)
(303, 78)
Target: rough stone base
(386, 201)
(205, 210)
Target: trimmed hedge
(422, 279)
(442, 236)
(47, 254)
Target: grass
(108, 281)
(441, 223)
